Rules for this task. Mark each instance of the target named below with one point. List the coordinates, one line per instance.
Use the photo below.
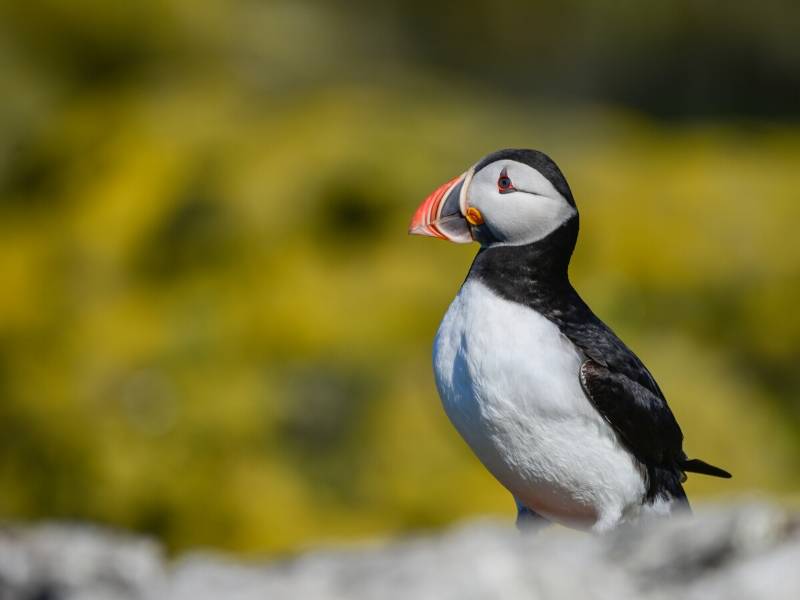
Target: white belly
(508, 380)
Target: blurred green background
(213, 326)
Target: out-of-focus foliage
(212, 324)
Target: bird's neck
(520, 272)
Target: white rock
(734, 552)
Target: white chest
(509, 382)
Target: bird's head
(510, 197)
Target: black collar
(523, 273)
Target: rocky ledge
(723, 552)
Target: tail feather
(695, 465)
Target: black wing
(627, 396)
(624, 392)
(644, 423)
(641, 418)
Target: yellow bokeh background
(214, 328)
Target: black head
(536, 160)
(517, 204)
(511, 197)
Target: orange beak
(440, 214)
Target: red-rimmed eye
(504, 182)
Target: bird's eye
(504, 182)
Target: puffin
(557, 408)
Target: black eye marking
(504, 184)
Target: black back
(619, 385)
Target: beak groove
(440, 214)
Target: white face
(518, 204)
